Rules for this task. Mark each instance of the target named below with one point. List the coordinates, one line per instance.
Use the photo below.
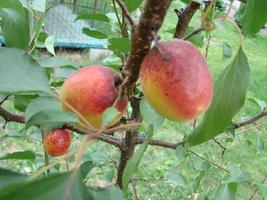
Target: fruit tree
(77, 121)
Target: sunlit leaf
(229, 95)
(20, 73)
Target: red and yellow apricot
(176, 80)
(90, 91)
(57, 142)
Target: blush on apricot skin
(57, 142)
(91, 90)
(179, 88)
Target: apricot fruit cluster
(176, 80)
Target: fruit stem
(156, 39)
(45, 154)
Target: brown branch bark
(102, 137)
(10, 117)
(150, 21)
(129, 142)
(160, 143)
(251, 120)
(184, 18)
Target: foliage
(31, 83)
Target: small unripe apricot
(90, 91)
(57, 142)
(176, 80)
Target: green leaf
(260, 103)
(227, 50)
(40, 104)
(229, 95)
(263, 190)
(120, 44)
(150, 116)
(15, 19)
(21, 155)
(65, 72)
(260, 145)
(93, 17)
(108, 193)
(38, 27)
(19, 73)
(51, 119)
(86, 167)
(200, 164)
(49, 44)
(66, 186)
(110, 114)
(236, 175)
(196, 39)
(181, 152)
(176, 179)
(107, 176)
(254, 17)
(226, 191)
(51, 62)
(133, 163)
(94, 33)
(132, 5)
(8, 177)
(46, 111)
(21, 102)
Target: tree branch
(212, 163)
(184, 18)
(251, 120)
(129, 141)
(103, 137)
(150, 21)
(9, 117)
(161, 143)
(3, 100)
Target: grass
(194, 178)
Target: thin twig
(134, 190)
(229, 9)
(161, 143)
(117, 15)
(156, 39)
(220, 145)
(3, 100)
(126, 12)
(212, 163)
(45, 154)
(207, 47)
(195, 32)
(256, 190)
(252, 119)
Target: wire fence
(84, 6)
